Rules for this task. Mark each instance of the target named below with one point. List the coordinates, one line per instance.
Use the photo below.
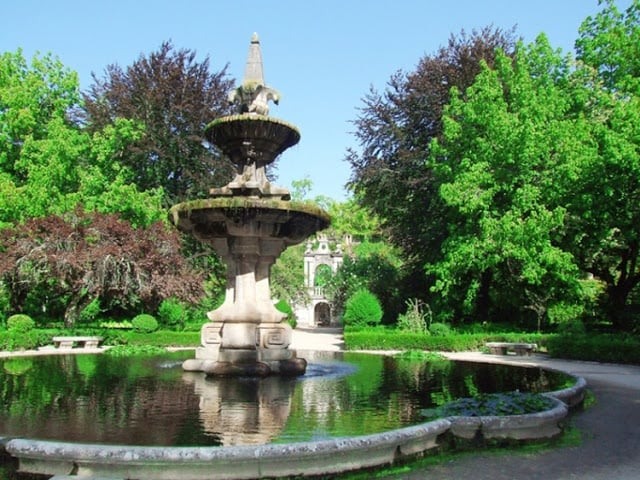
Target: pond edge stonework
(282, 460)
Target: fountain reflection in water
(152, 401)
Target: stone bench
(504, 348)
(70, 342)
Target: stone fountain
(249, 222)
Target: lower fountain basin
(349, 411)
(223, 218)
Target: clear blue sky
(321, 55)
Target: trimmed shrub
(362, 308)
(160, 338)
(440, 329)
(284, 307)
(20, 323)
(144, 323)
(388, 339)
(172, 312)
(15, 340)
(616, 348)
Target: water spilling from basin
(152, 401)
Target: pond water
(152, 401)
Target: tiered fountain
(249, 223)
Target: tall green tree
(394, 131)
(174, 97)
(607, 220)
(502, 163)
(48, 163)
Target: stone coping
(323, 457)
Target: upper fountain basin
(249, 135)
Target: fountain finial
(253, 95)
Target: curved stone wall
(275, 460)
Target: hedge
(396, 340)
(620, 348)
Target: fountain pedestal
(249, 223)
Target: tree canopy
(173, 97)
(71, 260)
(48, 163)
(515, 186)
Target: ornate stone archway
(318, 258)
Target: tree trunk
(615, 307)
(74, 308)
(483, 300)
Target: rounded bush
(439, 329)
(362, 308)
(171, 312)
(144, 323)
(20, 323)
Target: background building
(319, 263)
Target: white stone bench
(70, 342)
(504, 348)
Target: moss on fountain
(252, 117)
(247, 203)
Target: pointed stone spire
(253, 95)
(253, 72)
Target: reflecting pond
(152, 401)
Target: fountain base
(258, 362)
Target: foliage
(393, 339)
(504, 148)
(353, 219)
(144, 323)
(121, 325)
(10, 341)
(422, 356)
(493, 404)
(49, 164)
(605, 225)
(135, 351)
(362, 308)
(171, 312)
(20, 323)
(531, 180)
(374, 266)
(615, 348)
(284, 307)
(394, 131)
(440, 329)
(83, 256)
(174, 97)
(609, 42)
(287, 276)
(5, 304)
(91, 312)
(161, 338)
(415, 319)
